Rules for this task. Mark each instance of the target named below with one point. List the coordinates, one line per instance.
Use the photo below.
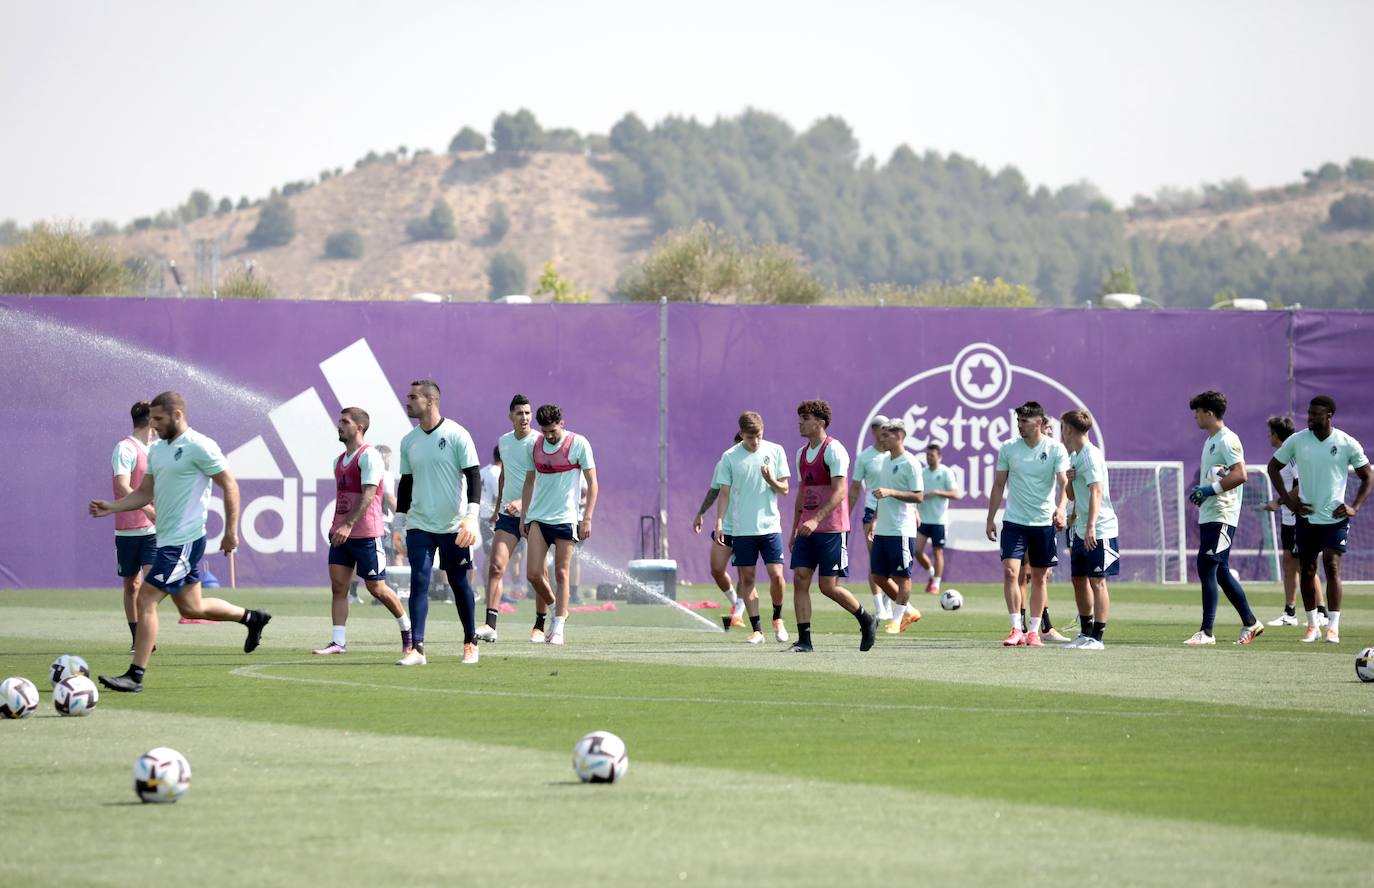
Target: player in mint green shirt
(940, 487)
(516, 452)
(1324, 455)
(1094, 553)
(181, 468)
(864, 474)
(720, 548)
(1217, 496)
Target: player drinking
(438, 472)
(1217, 496)
(863, 463)
(938, 483)
(1323, 454)
(820, 525)
(1028, 468)
(720, 549)
(135, 535)
(355, 535)
(515, 453)
(181, 468)
(898, 492)
(753, 475)
(551, 492)
(1094, 554)
(1280, 429)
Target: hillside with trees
(804, 211)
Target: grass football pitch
(937, 758)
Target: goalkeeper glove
(1203, 491)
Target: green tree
(1117, 280)
(9, 232)
(559, 288)
(518, 132)
(506, 275)
(276, 225)
(438, 225)
(225, 206)
(1360, 169)
(468, 139)
(1353, 211)
(246, 285)
(498, 222)
(345, 244)
(62, 261)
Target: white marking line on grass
(256, 671)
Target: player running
(439, 471)
(1028, 468)
(355, 535)
(899, 491)
(1280, 430)
(820, 526)
(1217, 496)
(181, 467)
(863, 464)
(753, 474)
(937, 480)
(720, 549)
(1094, 553)
(561, 459)
(135, 535)
(1323, 454)
(515, 451)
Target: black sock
(777, 612)
(133, 631)
(803, 633)
(406, 641)
(1098, 629)
(755, 622)
(1045, 624)
(136, 673)
(1086, 624)
(1023, 616)
(420, 646)
(1321, 609)
(539, 621)
(492, 614)
(1290, 610)
(862, 615)
(250, 618)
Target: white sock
(339, 636)
(877, 602)
(898, 611)
(738, 608)
(1312, 618)
(1035, 625)
(731, 596)
(1335, 621)
(557, 626)
(1015, 620)
(936, 580)
(404, 622)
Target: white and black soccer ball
(75, 696)
(18, 697)
(951, 600)
(161, 775)
(600, 757)
(1364, 664)
(66, 666)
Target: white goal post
(1148, 497)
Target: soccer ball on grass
(951, 600)
(75, 696)
(600, 757)
(1364, 664)
(66, 666)
(18, 697)
(161, 775)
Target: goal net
(1148, 498)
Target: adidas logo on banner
(306, 428)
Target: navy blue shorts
(175, 567)
(1033, 545)
(869, 515)
(552, 533)
(364, 553)
(1104, 561)
(1214, 541)
(892, 556)
(420, 548)
(825, 553)
(1288, 538)
(933, 532)
(748, 549)
(508, 524)
(132, 553)
(1311, 540)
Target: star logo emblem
(981, 376)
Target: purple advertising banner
(267, 379)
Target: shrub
(1353, 211)
(245, 285)
(62, 261)
(276, 225)
(498, 222)
(506, 274)
(468, 139)
(559, 288)
(225, 206)
(438, 225)
(346, 244)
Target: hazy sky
(115, 110)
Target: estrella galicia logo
(443, 442)
(176, 456)
(1333, 449)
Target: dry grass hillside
(559, 205)
(1276, 226)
